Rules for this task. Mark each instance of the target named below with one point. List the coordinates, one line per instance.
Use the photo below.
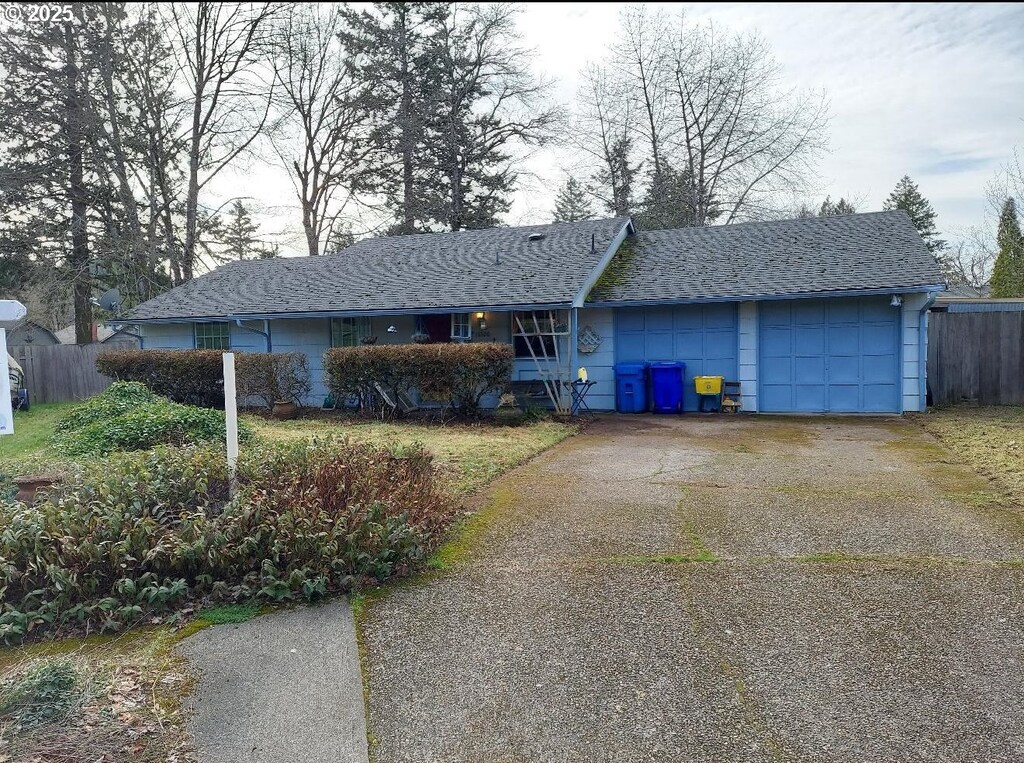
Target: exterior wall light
(481, 321)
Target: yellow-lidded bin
(708, 385)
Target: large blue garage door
(835, 355)
(705, 337)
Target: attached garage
(704, 337)
(829, 356)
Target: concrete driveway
(705, 589)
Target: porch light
(481, 321)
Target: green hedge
(141, 534)
(129, 416)
(456, 375)
(193, 377)
(196, 377)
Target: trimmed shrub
(455, 375)
(272, 377)
(128, 416)
(142, 533)
(193, 377)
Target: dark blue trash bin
(631, 387)
(667, 387)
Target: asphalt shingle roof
(478, 268)
(877, 250)
(549, 264)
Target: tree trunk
(78, 261)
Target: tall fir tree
(907, 197)
(1008, 272)
(239, 237)
(572, 203)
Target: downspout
(265, 333)
(922, 349)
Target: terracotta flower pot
(29, 486)
(284, 409)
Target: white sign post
(11, 311)
(231, 414)
(6, 409)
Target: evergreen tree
(668, 202)
(1008, 272)
(907, 197)
(572, 203)
(618, 175)
(340, 237)
(834, 209)
(238, 236)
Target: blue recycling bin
(630, 387)
(667, 387)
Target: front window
(534, 334)
(349, 332)
(461, 328)
(213, 336)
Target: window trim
(362, 327)
(225, 325)
(469, 327)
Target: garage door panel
(658, 319)
(808, 340)
(629, 321)
(809, 313)
(878, 397)
(777, 342)
(844, 311)
(838, 355)
(843, 369)
(809, 370)
(689, 344)
(877, 369)
(719, 345)
(809, 398)
(878, 339)
(843, 340)
(721, 316)
(658, 346)
(844, 398)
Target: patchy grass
(230, 614)
(468, 456)
(988, 439)
(700, 557)
(28, 448)
(116, 699)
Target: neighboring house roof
(533, 265)
(104, 333)
(861, 252)
(30, 332)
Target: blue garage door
(835, 355)
(704, 337)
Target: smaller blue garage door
(835, 355)
(704, 337)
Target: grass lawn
(989, 439)
(468, 456)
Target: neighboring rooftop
(877, 250)
(534, 265)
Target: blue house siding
(830, 355)
(704, 337)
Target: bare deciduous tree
(603, 132)
(224, 49)
(322, 141)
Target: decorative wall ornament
(588, 340)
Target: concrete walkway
(716, 590)
(281, 688)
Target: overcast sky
(933, 91)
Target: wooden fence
(61, 372)
(977, 357)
